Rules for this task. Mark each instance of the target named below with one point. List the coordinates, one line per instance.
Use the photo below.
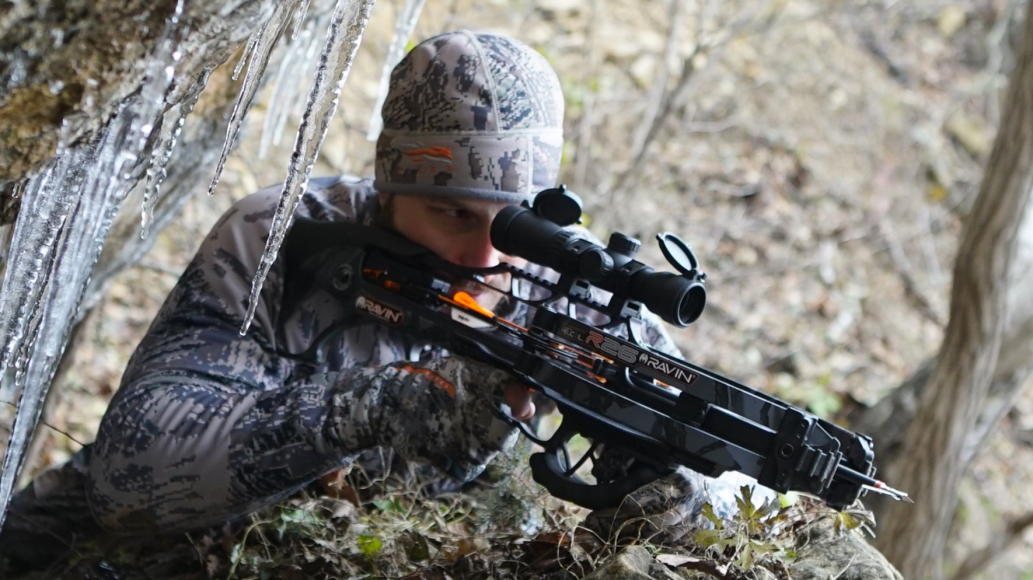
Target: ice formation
(404, 26)
(261, 47)
(157, 171)
(68, 208)
(288, 85)
(342, 41)
(65, 215)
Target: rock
(951, 19)
(632, 563)
(75, 62)
(823, 553)
(970, 133)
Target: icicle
(248, 48)
(162, 70)
(4, 243)
(159, 76)
(46, 202)
(16, 194)
(267, 38)
(404, 26)
(334, 64)
(286, 87)
(35, 311)
(158, 169)
(65, 216)
(44, 209)
(60, 290)
(299, 18)
(294, 104)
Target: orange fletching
(464, 299)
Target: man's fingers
(518, 397)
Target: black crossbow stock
(587, 354)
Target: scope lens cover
(678, 253)
(558, 205)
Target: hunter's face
(457, 230)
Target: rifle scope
(677, 298)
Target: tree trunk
(887, 421)
(913, 536)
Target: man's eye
(452, 212)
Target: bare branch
(912, 288)
(583, 151)
(676, 16)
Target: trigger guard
(548, 472)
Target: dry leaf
(675, 560)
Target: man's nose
(479, 253)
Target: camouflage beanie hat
(471, 115)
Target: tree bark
(887, 421)
(913, 536)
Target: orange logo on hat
(439, 153)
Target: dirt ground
(819, 156)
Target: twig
(712, 126)
(932, 263)
(911, 287)
(845, 568)
(584, 127)
(532, 6)
(739, 25)
(878, 51)
(996, 46)
(449, 24)
(707, 567)
(675, 16)
(688, 68)
(155, 267)
(45, 424)
(243, 542)
(1002, 397)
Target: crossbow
(577, 337)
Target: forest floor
(820, 157)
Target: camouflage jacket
(208, 424)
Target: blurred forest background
(820, 157)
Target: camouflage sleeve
(656, 336)
(207, 423)
(185, 452)
(181, 451)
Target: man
(209, 425)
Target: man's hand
(518, 398)
(454, 413)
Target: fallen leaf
(950, 20)
(334, 485)
(676, 560)
(369, 545)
